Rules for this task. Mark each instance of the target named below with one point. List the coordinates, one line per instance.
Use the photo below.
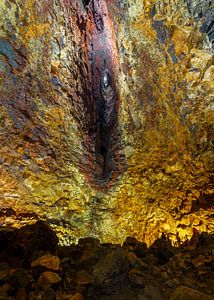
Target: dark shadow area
(106, 122)
(34, 266)
(86, 2)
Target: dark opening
(86, 2)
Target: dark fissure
(105, 97)
(86, 2)
(106, 122)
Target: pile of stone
(33, 266)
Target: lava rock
(153, 293)
(36, 237)
(49, 261)
(77, 296)
(48, 278)
(139, 248)
(20, 278)
(21, 294)
(4, 270)
(186, 293)
(5, 290)
(136, 278)
(90, 252)
(7, 235)
(110, 271)
(83, 278)
(162, 249)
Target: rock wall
(162, 60)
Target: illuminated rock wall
(162, 58)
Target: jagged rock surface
(114, 273)
(163, 58)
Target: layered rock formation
(160, 57)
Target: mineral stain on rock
(106, 120)
(105, 94)
(7, 50)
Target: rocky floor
(34, 266)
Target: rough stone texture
(163, 67)
(185, 293)
(115, 274)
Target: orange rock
(49, 261)
(48, 278)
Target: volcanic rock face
(150, 169)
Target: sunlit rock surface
(161, 57)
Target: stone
(4, 270)
(142, 265)
(198, 261)
(132, 258)
(153, 293)
(20, 278)
(46, 279)
(49, 261)
(130, 241)
(7, 235)
(140, 250)
(186, 293)
(90, 253)
(83, 278)
(151, 259)
(163, 250)
(110, 271)
(76, 296)
(5, 289)
(142, 297)
(21, 294)
(48, 294)
(36, 237)
(136, 278)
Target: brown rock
(132, 258)
(5, 289)
(48, 278)
(22, 294)
(4, 270)
(35, 237)
(136, 278)
(77, 296)
(186, 293)
(49, 261)
(152, 293)
(198, 261)
(83, 277)
(110, 271)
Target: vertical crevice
(106, 122)
(105, 133)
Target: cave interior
(106, 157)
